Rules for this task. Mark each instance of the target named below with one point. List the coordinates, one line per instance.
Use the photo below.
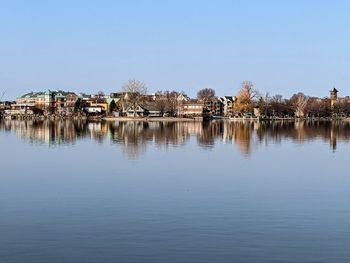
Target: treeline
(248, 101)
(299, 105)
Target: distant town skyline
(282, 47)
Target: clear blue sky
(281, 46)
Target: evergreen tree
(77, 105)
(112, 106)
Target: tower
(333, 96)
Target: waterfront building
(49, 101)
(228, 105)
(93, 110)
(20, 109)
(35, 99)
(191, 107)
(70, 100)
(93, 104)
(214, 107)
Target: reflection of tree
(241, 133)
(134, 136)
(131, 136)
(169, 133)
(210, 132)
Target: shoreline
(164, 119)
(150, 119)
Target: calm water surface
(174, 192)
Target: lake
(216, 191)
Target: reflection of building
(46, 132)
(135, 136)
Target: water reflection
(134, 136)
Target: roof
(193, 102)
(232, 98)
(33, 94)
(334, 90)
(83, 95)
(228, 98)
(49, 92)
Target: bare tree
(172, 97)
(314, 107)
(277, 105)
(263, 104)
(135, 86)
(247, 96)
(161, 102)
(299, 103)
(206, 94)
(341, 108)
(135, 89)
